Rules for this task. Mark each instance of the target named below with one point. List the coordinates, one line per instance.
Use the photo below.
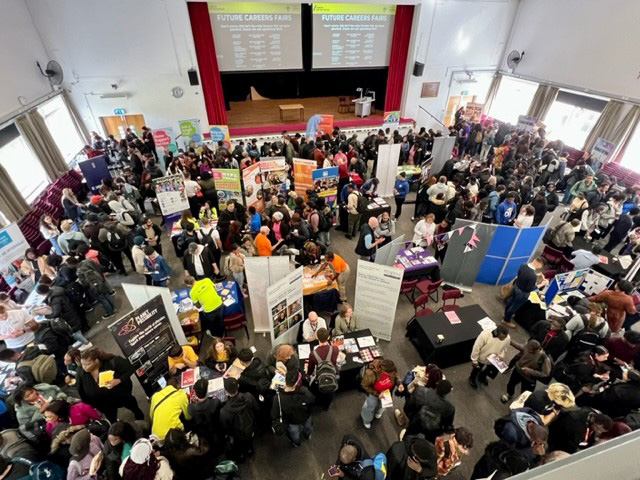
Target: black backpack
(116, 242)
(324, 223)
(243, 424)
(184, 240)
(60, 327)
(363, 203)
(326, 373)
(76, 293)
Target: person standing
(263, 244)
(167, 407)
(489, 342)
(353, 198)
(200, 262)
(203, 292)
(238, 418)
(366, 246)
(621, 228)
(379, 376)
(619, 303)
(341, 268)
(109, 396)
(533, 364)
(293, 404)
(325, 358)
(157, 267)
(551, 335)
(526, 282)
(90, 276)
(400, 191)
(506, 211)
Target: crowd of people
(67, 392)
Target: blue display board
(95, 170)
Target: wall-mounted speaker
(193, 77)
(418, 69)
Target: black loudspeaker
(193, 77)
(418, 69)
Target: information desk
(611, 269)
(285, 108)
(375, 208)
(535, 309)
(417, 262)
(458, 338)
(349, 371)
(311, 285)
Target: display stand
(94, 171)
(262, 272)
(442, 148)
(285, 308)
(586, 281)
(387, 167)
(387, 255)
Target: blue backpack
(379, 464)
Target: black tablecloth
(458, 339)
(613, 269)
(374, 212)
(350, 370)
(528, 314)
(432, 272)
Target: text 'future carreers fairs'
(250, 17)
(358, 18)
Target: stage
(254, 117)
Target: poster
(377, 290)
(391, 119)
(274, 175)
(442, 148)
(302, 175)
(171, 195)
(190, 132)
(325, 126)
(325, 183)
(262, 272)
(227, 182)
(284, 307)
(12, 245)
(526, 123)
(473, 111)
(164, 138)
(145, 338)
(388, 158)
(220, 133)
(601, 152)
(252, 180)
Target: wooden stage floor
(266, 112)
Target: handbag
(383, 383)
(278, 426)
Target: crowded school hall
(377, 240)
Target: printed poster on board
(391, 119)
(252, 179)
(284, 307)
(164, 138)
(602, 151)
(526, 123)
(227, 182)
(274, 175)
(171, 195)
(12, 245)
(302, 175)
(145, 338)
(220, 133)
(325, 183)
(190, 132)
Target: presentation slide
(254, 36)
(351, 35)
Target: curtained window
(572, 116)
(24, 168)
(631, 157)
(512, 99)
(60, 124)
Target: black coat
(253, 379)
(233, 407)
(569, 429)
(62, 308)
(55, 343)
(556, 346)
(206, 257)
(296, 406)
(397, 468)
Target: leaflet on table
(228, 301)
(417, 249)
(216, 389)
(452, 317)
(235, 370)
(603, 259)
(304, 351)
(497, 362)
(350, 345)
(367, 341)
(487, 324)
(189, 377)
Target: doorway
(117, 125)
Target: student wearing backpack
(412, 459)
(292, 406)
(237, 417)
(61, 307)
(90, 276)
(114, 240)
(323, 361)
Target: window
(60, 124)
(512, 100)
(631, 158)
(24, 168)
(572, 116)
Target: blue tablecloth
(233, 293)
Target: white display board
(387, 168)
(377, 290)
(284, 307)
(12, 245)
(442, 148)
(261, 272)
(138, 295)
(387, 254)
(171, 195)
(526, 123)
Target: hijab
(141, 464)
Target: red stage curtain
(398, 59)
(207, 63)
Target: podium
(363, 106)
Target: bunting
(445, 237)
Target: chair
(565, 265)
(231, 340)
(343, 105)
(552, 255)
(549, 274)
(452, 294)
(419, 307)
(235, 321)
(408, 287)
(429, 287)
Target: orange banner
(302, 175)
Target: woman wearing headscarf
(143, 464)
